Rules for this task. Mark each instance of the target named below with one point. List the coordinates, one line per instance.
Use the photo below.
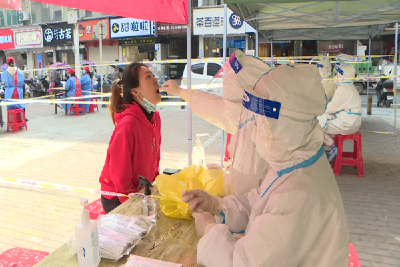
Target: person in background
(134, 147)
(343, 113)
(13, 79)
(86, 84)
(71, 86)
(296, 217)
(96, 87)
(325, 70)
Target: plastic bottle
(87, 240)
(198, 155)
(148, 204)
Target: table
(173, 240)
(59, 97)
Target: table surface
(172, 240)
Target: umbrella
(4, 66)
(87, 62)
(59, 65)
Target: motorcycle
(35, 88)
(384, 92)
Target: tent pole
(189, 78)
(272, 52)
(256, 48)
(224, 46)
(396, 38)
(369, 109)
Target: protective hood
(295, 135)
(344, 72)
(324, 67)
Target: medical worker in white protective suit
(225, 113)
(296, 217)
(325, 70)
(343, 113)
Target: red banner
(171, 11)
(10, 4)
(6, 39)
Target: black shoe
(26, 119)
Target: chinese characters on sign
(87, 30)
(28, 38)
(330, 47)
(126, 27)
(139, 41)
(6, 39)
(58, 34)
(168, 28)
(210, 21)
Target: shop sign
(138, 41)
(58, 34)
(87, 31)
(11, 4)
(330, 47)
(126, 27)
(208, 21)
(168, 28)
(28, 38)
(6, 39)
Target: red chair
(349, 158)
(93, 106)
(95, 209)
(21, 257)
(17, 120)
(353, 257)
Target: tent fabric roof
(318, 20)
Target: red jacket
(134, 149)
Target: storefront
(87, 35)
(208, 25)
(59, 40)
(136, 38)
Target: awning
(318, 20)
(172, 11)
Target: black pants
(110, 204)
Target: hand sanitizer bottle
(198, 155)
(87, 240)
(148, 204)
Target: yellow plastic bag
(194, 177)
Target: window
(58, 15)
(88, 13)
(211, 2)
(12, 17)
(2, 21)
(212, 69)
(198, 68)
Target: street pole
(189, 77)
(101, 65)
(76, 48)
(369, 97)
(224, 59)
(396, 39)
(256, 45)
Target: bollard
(183, 107)
(369, 110)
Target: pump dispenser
(87, 239)
(148, 204)
(198, 155)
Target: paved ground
(71, 151)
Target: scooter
(384, 92)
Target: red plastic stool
(353, 257)
(93, 106)
(349, 158)
(95, 209)
(75, 108)
(228, 140)
(18, 119)
(21, 257)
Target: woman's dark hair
(130, 79)
(11, 63)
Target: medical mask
(146, 103)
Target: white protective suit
(343, 113)
(225, 113)
(296, 217)
(325, 70)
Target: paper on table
(137, 261)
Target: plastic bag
(114, 245)
(134, 226)
(137, 261)
(193, 177)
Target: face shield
(255, 108)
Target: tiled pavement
(71, 151)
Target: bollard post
(369, 110)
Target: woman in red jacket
(134, 147)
